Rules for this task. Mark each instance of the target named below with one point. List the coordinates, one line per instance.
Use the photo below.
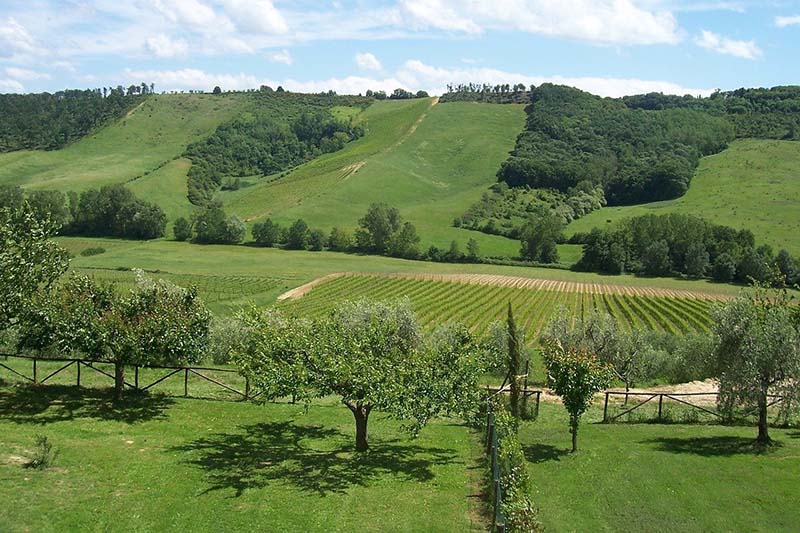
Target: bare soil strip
(520, 283)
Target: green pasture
(754, 184)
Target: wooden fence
(96, 366)
(492, 445)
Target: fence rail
(683, 398)
(201, 372)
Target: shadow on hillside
(312, 458)
(45, 404)
(722, 446)
(542, 453)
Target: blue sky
(609, 47)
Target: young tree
(371, 355)
(576, 376)
(156, 323)
(29, 261)
(514, 362)
(473, 252)
(182, 229)
(758, 352)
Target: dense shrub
(212, 226)
(94, 250)
(114, 211)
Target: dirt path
(521, 283)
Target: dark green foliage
(44, 455)
(675, 243)
(494, 94)
(539, 236)
(11, 197)
(473, 251)
(283, 131)
(217, 90)
(212, 226)
(788, 268)
(114, 211)
(635, 155)
(267, 233)
(51, 204)
(316, 240)
(51, 121)
(339, 240)
(93, 250)
(297, 236)
(182, 229)
(382, 231)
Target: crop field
(754, 184)
(479, 304)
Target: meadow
(751, 185)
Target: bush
(182, 229)
(95, 250)
(44, 455)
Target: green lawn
(651, 477)
(753, 185)
(166, 464)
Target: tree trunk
(361, 414)
(119, 379)
(763, 429)
(574, 430)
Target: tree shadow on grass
(312, 458)
(722, 446)
(45, 404)
(542, 453)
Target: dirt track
(520, 283)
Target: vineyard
(478, 304)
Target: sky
(607, 47)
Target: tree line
(484, 92)
(49, 121)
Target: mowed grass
(156, 463)
(653, 477)
(154, 133)
(430, 161)
(477, 306)
(754, 185)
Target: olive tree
(575, 375)
(758, 352)
(370, 354)
(29, 261)
(156, 323)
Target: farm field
(655, 477)
(754, 184)
(478, 304)
(160, 463)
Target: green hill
(754, 184)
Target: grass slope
(164, 464)
(651, 477)
(430, 161)
(754, 184)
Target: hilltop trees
(371, 355)
(29, 261)
(758, 353)
(156, 323)
(382, 231)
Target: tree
(788, 268)
(297, 237)
(752, 267)
(655, 259)
(758, 352)
(371, 355)
(316, 240)
(339, 240)
(11, 197)
(539, 236)
(724, 268)
(182, 229)
(696, 261)
(212, 226)
(576, 376)
(405, 243)
(377, 227)
(454, 254)
(266, 233)
(29, 261)
(514, 362)
(473, 251)
(52, 204)
(156, 323)
(217, 90)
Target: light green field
(429, 161)
(752, 185)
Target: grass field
(752, 185)
(157, 464)
(478, 305)
(430, 161)
(650, 477)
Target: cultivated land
(754, 184)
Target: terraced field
(477, 302)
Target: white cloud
(256, 16)
(597, 21)
(164, 47)
(792, 20)
(15, 40)
(191, 13)
(367, 61)
(413, 75)
(11, 86)
(723, 45)
(25, 74)
(282, 56)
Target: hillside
(754, 184)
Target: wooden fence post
(136, 377)
(246, 388)
(35, 374)
(79, 372)
(660, 403)
(605, 409)
(185, 382)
